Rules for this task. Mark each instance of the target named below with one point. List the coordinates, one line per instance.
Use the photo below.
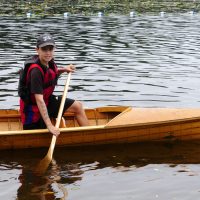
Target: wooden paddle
(44, 163)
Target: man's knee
(77, 106)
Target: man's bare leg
(81, 117)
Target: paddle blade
(43, 165)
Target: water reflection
(132, 154)
(75, 165)
(41, 187)
(29, 185)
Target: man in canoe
(38, 104)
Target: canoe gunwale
(39, 131)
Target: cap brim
(47, 44)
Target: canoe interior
(10, 119)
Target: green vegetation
(87, 7)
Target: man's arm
(44, 113)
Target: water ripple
(120, 60)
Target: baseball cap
(45, 40)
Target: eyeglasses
(48, 48)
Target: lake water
(143, 61)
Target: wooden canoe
(107, 125)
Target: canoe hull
(108, 125)
(173, 131)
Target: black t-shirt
(36, 81)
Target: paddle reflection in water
(46, 187)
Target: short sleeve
(36, 81)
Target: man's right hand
(55, 131)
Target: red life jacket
(30, 112)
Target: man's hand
(70, 68)
(55, 131)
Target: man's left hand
(70, 68)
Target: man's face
(45, 53)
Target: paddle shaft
(53, 141)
